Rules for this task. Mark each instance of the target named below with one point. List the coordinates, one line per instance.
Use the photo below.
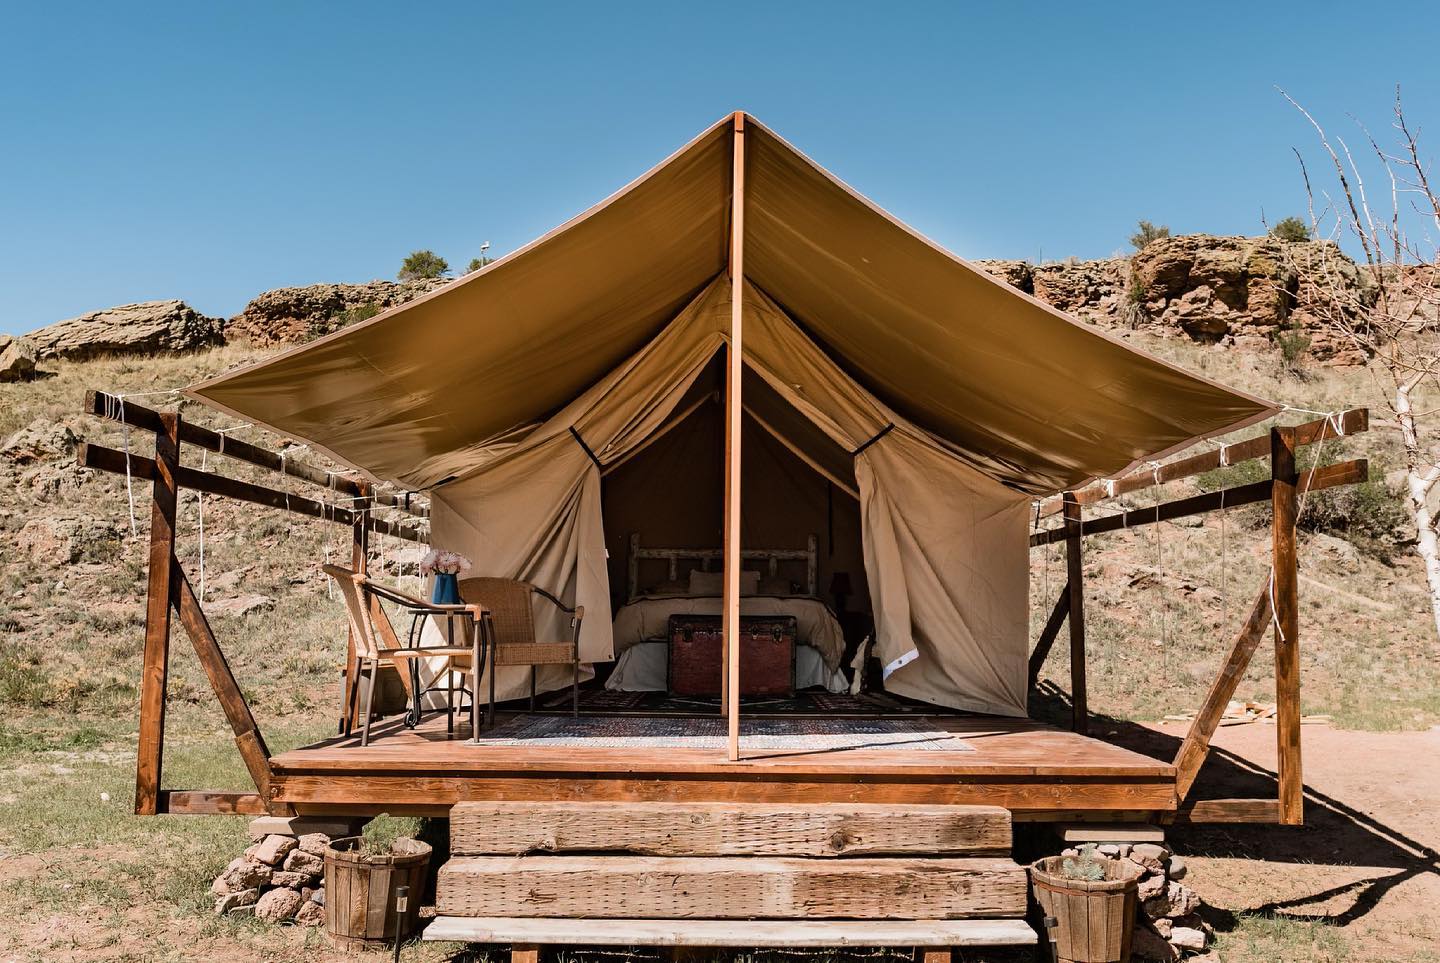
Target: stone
(1108, 849)
(315, 844)
(232, 901)
(146, 328)
(240, 606)
(1072, 851)
(243, 873)
(1162, 926)
(1185, 938)
(1151, 850)
(308, 892)
(310, 914)
(1148, 863)
(300, 861)
(1176, 900)
(319, 895)
(66, 541)
(278, 905)
(295, 315)
(17, 359)
(1149, 946)
(272, 849)
(1017, 274)
(1150, 887)
(242, 911)
(301, 826)
(1175, 867)
(292, 880)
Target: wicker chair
(376, 642)
(510, 620)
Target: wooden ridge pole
(155, 670)
(1075, 568)
(733, 373)
(1284, 511)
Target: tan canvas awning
(1020, 391)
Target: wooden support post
(1047, 637)
(1286, 587)
(733, 373)
(1074, 566)
(248, 739)
(359, 561)
(155, 672)
(524, 953)
(1197, 741)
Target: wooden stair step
(729, 887)
(727, 829)
(694, 932)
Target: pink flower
(445, 563)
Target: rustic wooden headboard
(709, 556)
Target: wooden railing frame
(169, 593)
(1276, 607)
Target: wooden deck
(1036, 771)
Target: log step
(766, 933)
(725, 829)
(725, 887)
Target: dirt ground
(1364, 870)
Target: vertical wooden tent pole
(733, 372)
(1286, 587)
(155, 671)
(1074, 565)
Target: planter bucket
(360, 892)
(1093, 920)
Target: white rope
(115, 411)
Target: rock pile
(150, 327)
(1167, 917)
(279, 879)
(293, 315)
(1236, 290)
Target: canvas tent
(942, 397)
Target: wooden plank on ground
(724, 829)
(190, 802)
(765, 933)
(723, 887)
(1230, 811)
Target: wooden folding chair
(376, 641)
(509, 617)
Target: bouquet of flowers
(437, 562)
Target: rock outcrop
(1244, 290)
(17, 359)
(294, 315)
(150, 327)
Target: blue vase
(447, 589)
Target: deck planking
(1019, 764)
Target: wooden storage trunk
(767, 655)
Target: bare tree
(1391, 310)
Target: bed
(642, 623)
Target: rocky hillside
(1235, 290)
(1225, 290)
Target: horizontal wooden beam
(1229, 811)
(720, 829)
(1317, 479)
(196, 802)
(791, 934)
(1353, 421)
(138, 466)
(109, 406)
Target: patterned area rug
(631, 732)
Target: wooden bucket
(360, 891)
(1093, 920)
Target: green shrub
(1366, 514)
(423, 264)
(359, 312)
(381, 832)
(1146, 232)
(1136, 293)
(476, 263)
(1291, 229)
(1293, 342)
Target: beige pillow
(776, 585)
(707, 584)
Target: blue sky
(212, 151)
